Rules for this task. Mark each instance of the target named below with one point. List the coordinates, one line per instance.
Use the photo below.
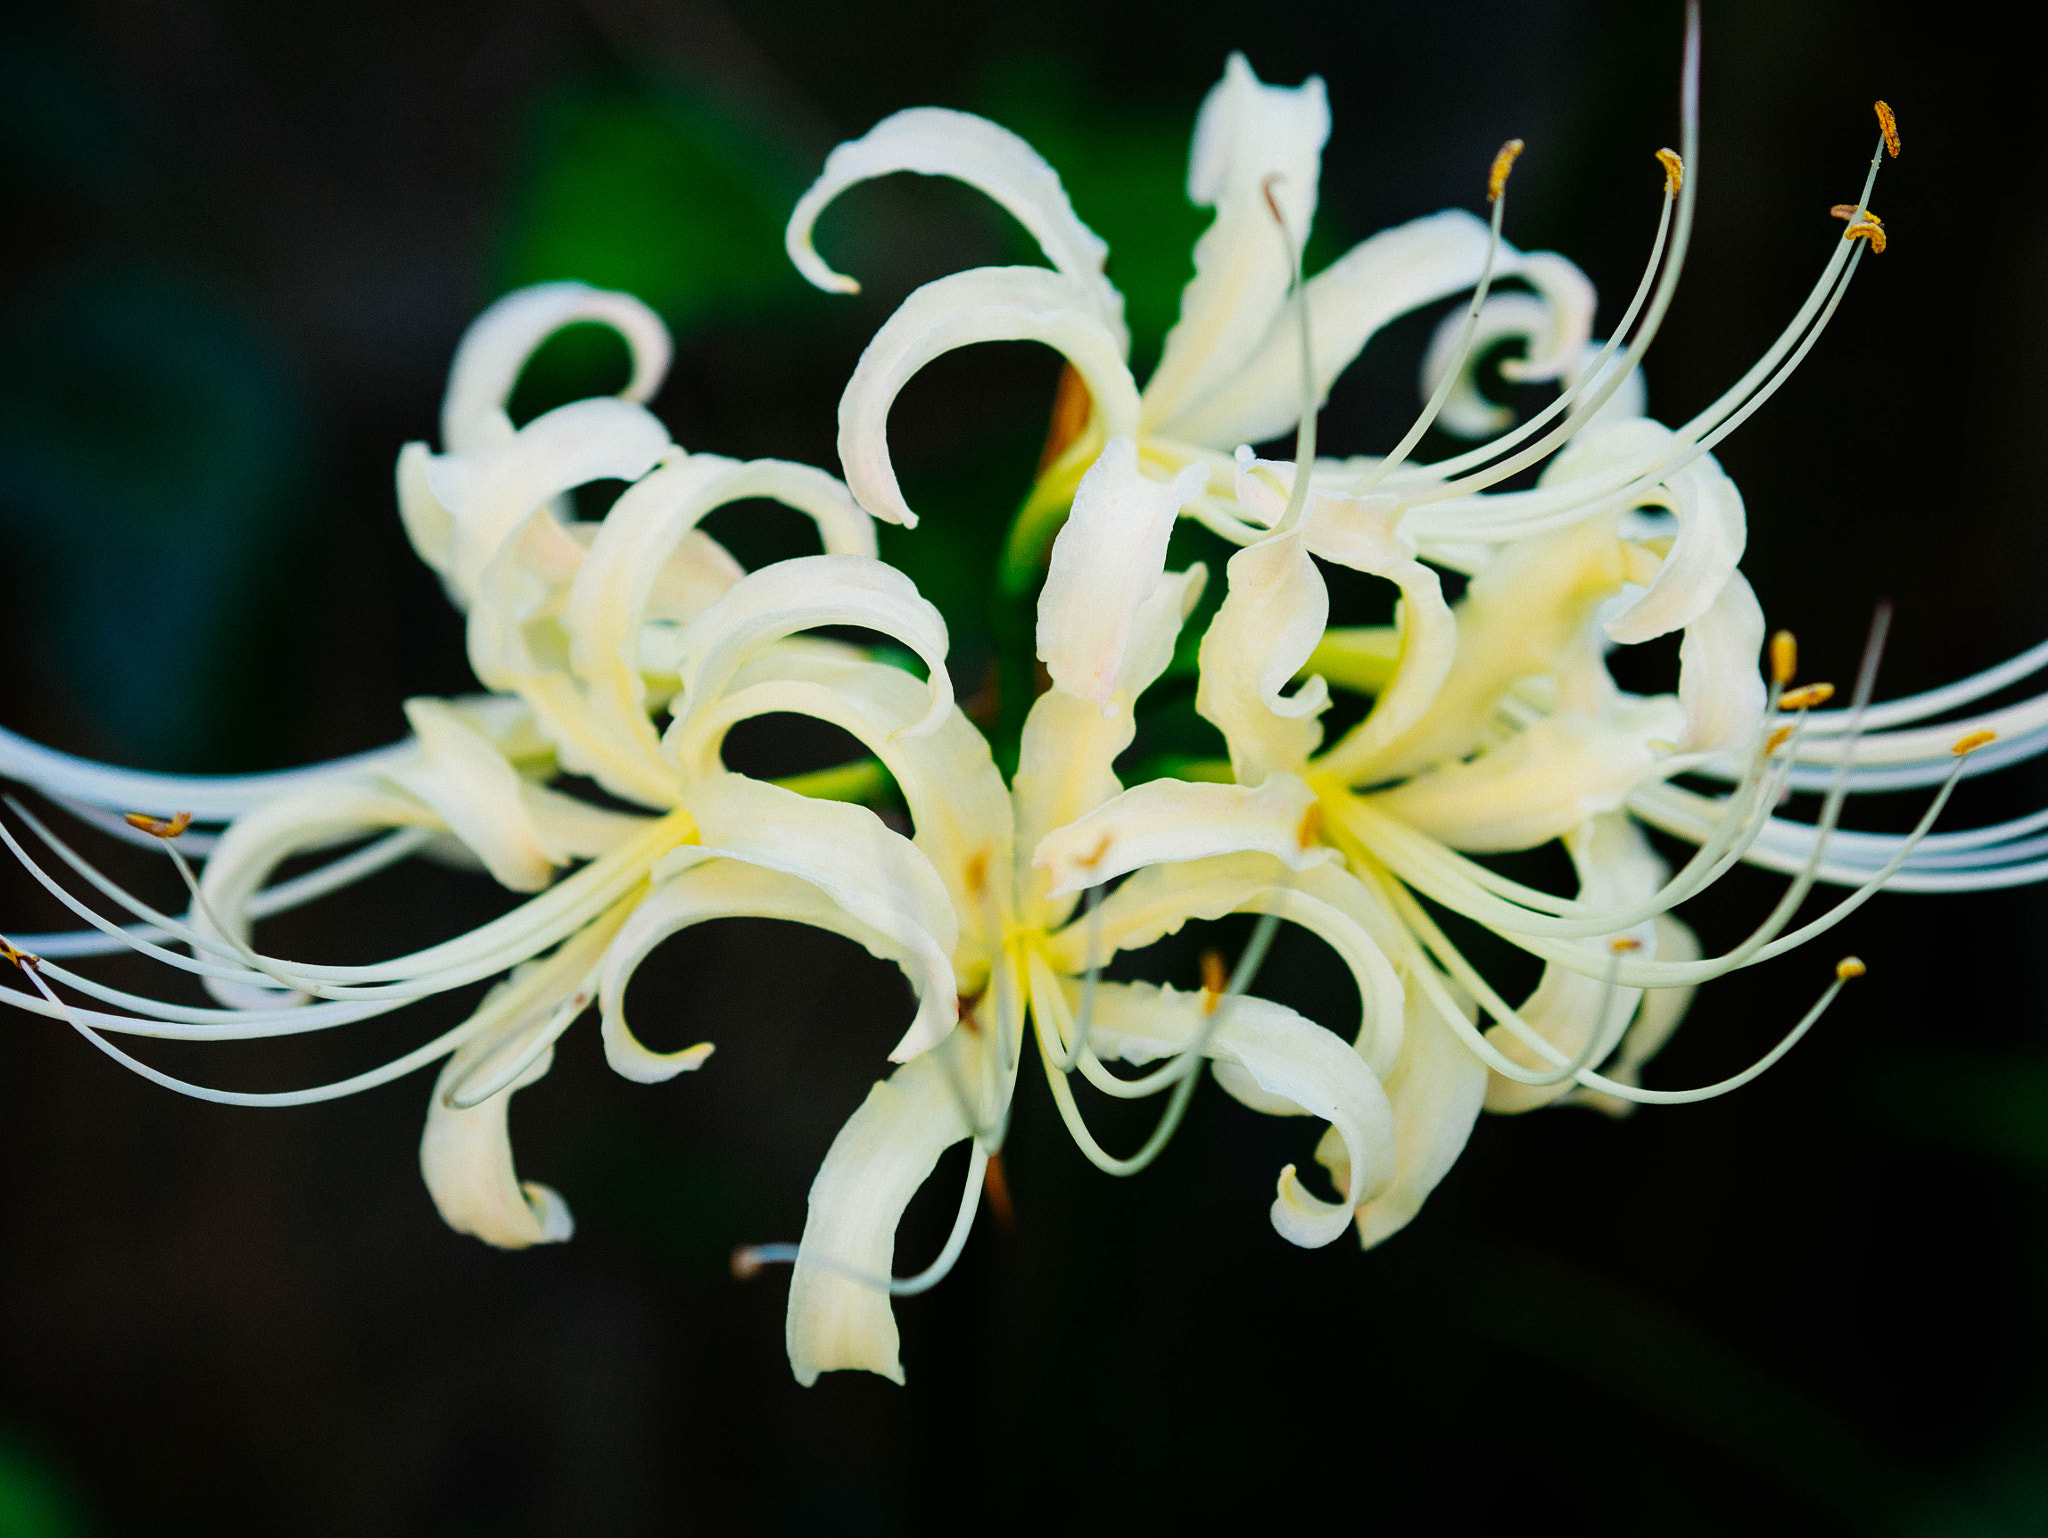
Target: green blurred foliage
(35, 1501)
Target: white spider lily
(1107, 621)
(1238, 367)
(595, 629)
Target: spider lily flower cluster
(624, 651)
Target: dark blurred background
(242, 242)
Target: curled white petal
(881, 1156)
(496, 347)
(1107, 564)
(986, 304)
(934, 141)
(803, 594)
(877, 877)
(1719, 685)
(1252, 141)
(1271, 619)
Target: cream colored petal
(879, 878)
(608, 605)
(466, 1159)
(1719, 684)
(714, 889)
(1326, 900)
(1270, 621)
(491, 493)
(804, 594)
(1435, 1090)
(1166, 821)
(472, 788)
(466, 1151)
(934, 141)
(1711, 526)
(1275, 1061)
(1526, 612)
(1542, 782)
(986, 304)
(1065, 769)
(1251, 141)
(429, 525)
(876, 1164)
(959, 807)
(495, 349)
(1107, 562)
(1386, 276)
(1617, 868)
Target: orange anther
(1973, 742)
(1214, 980)
(1865, 229)
(1621, 945)
(9, 951)
(1504, 162)
(1784, 658)
(158, 827)
(1851, 211)
(1889, 126)
(1674, 171)
(1806, 696)
(1848, 967)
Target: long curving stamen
(1305, 428)
(1179, 1072)
(1496, 194)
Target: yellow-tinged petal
(1167, 821)
(1543, 782)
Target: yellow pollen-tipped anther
(1973, 742)
(1848, 967)
(1674, 171)
(1214, 981)
(1777, 740)
(1889, 126)
(1867, 229)
(9, 951)
(1621, 945)
(1806, 696)
(1504, 162)
(158, 827)
(1784, 658)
